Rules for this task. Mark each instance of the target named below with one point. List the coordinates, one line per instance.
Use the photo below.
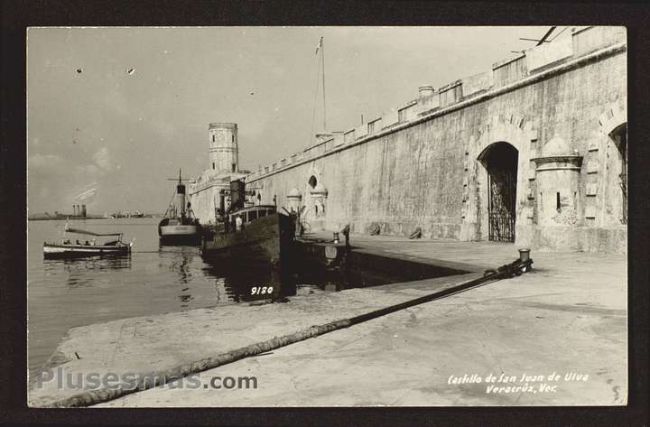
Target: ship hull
(266, 240)
(180, 234)
(53, 251)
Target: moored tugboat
(253, 237)
(255, 233)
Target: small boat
(76, 249)
(179, 226)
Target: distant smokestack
(74, 210)
(83, 211)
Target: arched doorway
(619, 135)
(500, 160)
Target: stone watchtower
(224, 152)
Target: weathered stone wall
(205, 200)
(421, 167)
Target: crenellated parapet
(584, 45)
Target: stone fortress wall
(539, 140)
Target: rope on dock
(93, 397)
(182, 250)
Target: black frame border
(17, 15)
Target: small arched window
(313, 181)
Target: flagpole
(322, 42)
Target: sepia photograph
(327, 216)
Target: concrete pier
(567, 316)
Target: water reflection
(243, 282)
(78, 269)
(180, 260)
(179, 263)
(114, 262)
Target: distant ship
(179, 225)
(136, 214)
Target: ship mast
(320, 81)
(322, 53)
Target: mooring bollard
(524, 256)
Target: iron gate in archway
(500, 161)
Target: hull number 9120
(261, 290)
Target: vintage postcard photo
(327, 216)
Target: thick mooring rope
(93, 397)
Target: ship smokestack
(180, 198)
(83, 211)
(237, 194)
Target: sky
(112, 113)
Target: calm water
(63, 294)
